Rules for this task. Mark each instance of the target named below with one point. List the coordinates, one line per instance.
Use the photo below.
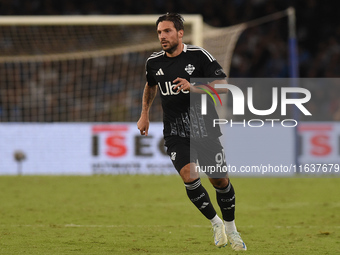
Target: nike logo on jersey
(160, 72)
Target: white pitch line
(159, 226)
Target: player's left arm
(213, 72)
(183, 84)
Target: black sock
(226, 200)
(200, 198)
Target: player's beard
(172, 47)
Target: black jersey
(178, 113)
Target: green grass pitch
(152, 215)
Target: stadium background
(261, 51)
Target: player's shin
(226, 200)
(200, 198)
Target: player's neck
(176, 52)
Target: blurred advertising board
(118, 148)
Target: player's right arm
(148, 97)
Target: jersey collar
(185, 47)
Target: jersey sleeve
(211, 68)
(149, 77)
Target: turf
(152, 215)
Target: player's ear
(180, 33)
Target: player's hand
(181, 84)
(143, 124)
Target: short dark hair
(175, 18)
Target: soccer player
(170, 70)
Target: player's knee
(219, 183)
(188, 173)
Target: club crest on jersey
(189, 69)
